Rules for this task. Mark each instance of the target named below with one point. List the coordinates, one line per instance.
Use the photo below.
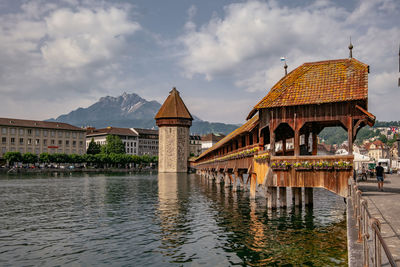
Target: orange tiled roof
(247, 127)
(173, 107)
(320, 82)
(38, 124)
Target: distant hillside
(130, 110)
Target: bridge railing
(243, 152)
(369, 231)
(314, 163)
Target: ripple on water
(167, 220)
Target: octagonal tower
(174, 121)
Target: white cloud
(60, 53)
(248, 40)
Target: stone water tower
(174, 121)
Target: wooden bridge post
(272, 197)
(282, 197)
(253, 185)
(308, 196)
(314, 143)
(297, 196)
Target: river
(160, 220)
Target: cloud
(61, 53)
(247, 41)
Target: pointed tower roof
(173, 108)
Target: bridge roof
(173, 107)
(319, 82)
(245, 128)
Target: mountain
(130, 110)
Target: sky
(223, 56)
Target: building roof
(378, 144)
(245, 128)
(38, 124)
(319, 82)
(145, 131)
(111, 131)
(212, 137)
(173, 107)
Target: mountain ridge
(131, 110)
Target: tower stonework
(174, 121)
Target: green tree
(12, 157)
(383, 138)
(75, 158)
(93, 148)
(44, 158)
(113, 144)
(29, 158)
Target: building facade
(148, 141)
(129, 137)
(174, 121)
(377, 150)
(208, 140)
(40, 137)
(194, 145)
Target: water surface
(160, 220)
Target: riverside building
(137, 141)
(38, 137)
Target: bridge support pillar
(297, 196)
(272, 197)
(253, 184)
(282, 197)
(308, 196)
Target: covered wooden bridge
(277, 146)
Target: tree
(75, 158)
(29, 158)
(12, 157)
(93, 148)
(383, 138)
(113, 144)
(44, 158)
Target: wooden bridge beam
(282, 197)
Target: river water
(160, 220)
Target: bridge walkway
(385, 206)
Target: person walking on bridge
(380, 172)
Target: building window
(37, 141)
(66, 134)
(60, 134)
(21, 141)
(29, 149)
(52, 133)
(12, 130)
(45, 142)
(29, 141)
(37, 132)
(74, 143)
(44, 150)
(73, 135)
(4, 130)
(12, 140)
(80, 143)
(29, 131)
(80, 135)
(52, 141)
(4, 140)
(67, 142)
(21, 131)
(45, 133)
(37, 151)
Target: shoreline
(66, 170)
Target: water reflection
(169, 219)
